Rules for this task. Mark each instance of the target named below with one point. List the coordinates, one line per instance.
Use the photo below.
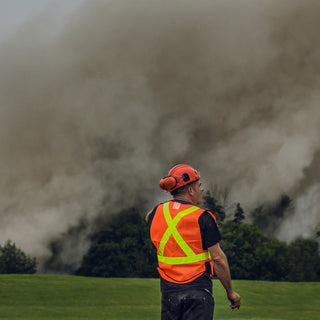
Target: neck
(183, 198)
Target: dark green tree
(238, 214)
(304, 260)
(14, 260)
(240, 243)
(253, 256)
(260, 217)
(272, 260)
(122, 248)
(212, 204)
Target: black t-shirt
(210, 236)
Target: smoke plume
(95, 108)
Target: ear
(190, 190)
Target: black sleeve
(151, 216)
(210, 233)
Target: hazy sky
(13, 13)
(125, 89)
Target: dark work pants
(189, 305)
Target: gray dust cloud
(96, 107)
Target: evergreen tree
(240, 243)
(303, 260)
(211, 203)
(253, 256)
(14, 260)
(122, 248)
(238, 215)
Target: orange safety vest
(175, 232)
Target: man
(187, 241)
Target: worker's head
(183, 183)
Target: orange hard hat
(179, 176)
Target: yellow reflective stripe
(173, 231)
(184, 260)
(190, 255)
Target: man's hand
(221, 268)
(234, 299)
(147, 216)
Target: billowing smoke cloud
(96, 108)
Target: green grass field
(66, 297)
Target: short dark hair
(182, 190)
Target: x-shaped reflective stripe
(172, 223)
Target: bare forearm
(221, 268)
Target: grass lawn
(46, 297)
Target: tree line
(14, 260)
(122, 247)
